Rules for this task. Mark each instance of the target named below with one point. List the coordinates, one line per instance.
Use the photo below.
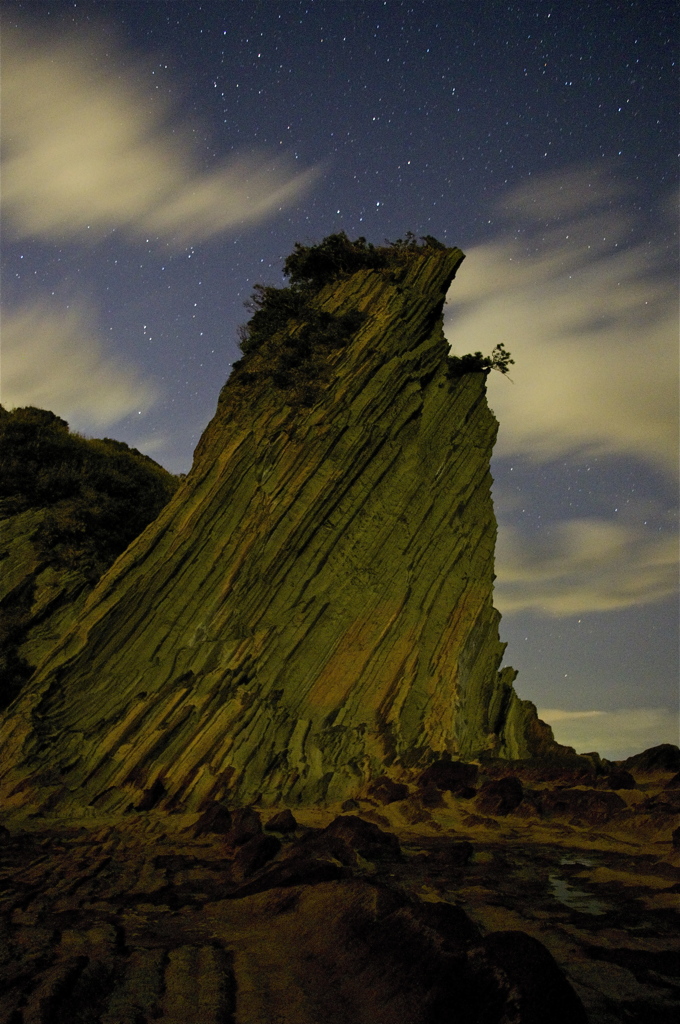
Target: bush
(99, 494)
(313, 266)
(475, 362)
(290, 333)
(272, 308)
(96, 497)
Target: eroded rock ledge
(312, 609)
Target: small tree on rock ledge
(475, 362)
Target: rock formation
(68, 506)
(309, 623)
(313, 608)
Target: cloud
(613, 734)
(88, 148)
(590, 319)
(583, 565)
(52, 358)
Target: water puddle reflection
(576, 899)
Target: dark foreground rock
(284, 821)
(101, 926)
(663, 758)
(409, 915)
(500, 796)
(453, 776)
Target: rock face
(37, 601)
(68, 506)
(314, 605)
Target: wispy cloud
(590, 320)
(583, 565)
(53, 359)
(613, 734)
(88, 147)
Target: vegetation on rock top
(313, 266)
(90, 499)
(287, 330)
(293, 337)
(100, 493)
(475, 362)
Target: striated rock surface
(312, 609)
(38, 602)
(68, 506)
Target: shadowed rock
(215, 820)
(579, 805)
(366, 838)
(450, 855)
(663, 758)
(620, 780)
(500, 796)
(151, 796)
(254, 854)
(387, 791)
(284, 821)
(542, 991)
(246, 824)
(453, 776)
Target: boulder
(387, 791)
(284, 821)
(367, 839)
(589, 806)
(215, 820)
(500, 796)
(453, 776)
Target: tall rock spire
(314, 605)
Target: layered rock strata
(37, 601)
(314, 605)
(68, 506)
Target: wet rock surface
(422, 914)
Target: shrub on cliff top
(309, 268)
(99, 494)
(475, 362)
(293, 337)
(313, 266)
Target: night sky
(160, 158)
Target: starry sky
(160, 158)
